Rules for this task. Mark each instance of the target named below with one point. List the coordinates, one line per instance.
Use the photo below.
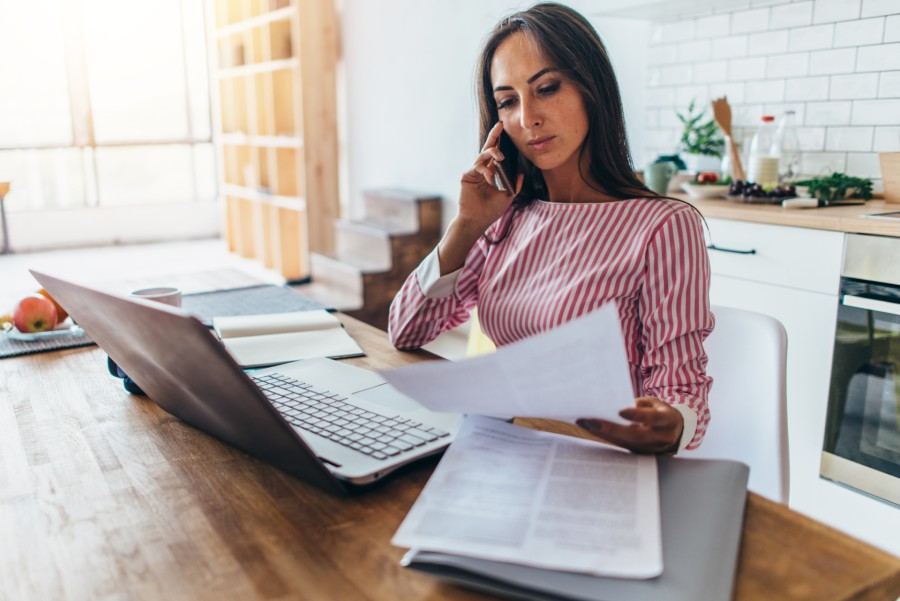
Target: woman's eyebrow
(531, 79)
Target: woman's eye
(506, 103)
(549, 89)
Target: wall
(409, 116)
(836, 62)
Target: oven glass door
(862, 430)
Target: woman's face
(541, 109)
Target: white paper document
(516, 495)
(578, 369)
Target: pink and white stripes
(561, 261)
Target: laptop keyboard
(329, 415)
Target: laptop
(334, 425)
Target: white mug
(163, 294)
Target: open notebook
(263, 340)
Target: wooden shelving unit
(277, 128)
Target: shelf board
(293, 203)
(242, 139)
(281, 14)
(254, 68)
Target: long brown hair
(570, 43)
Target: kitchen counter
(839, 219)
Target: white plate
(66, 328)
(705, 190)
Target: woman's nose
(529, 116)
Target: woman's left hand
(656, 427)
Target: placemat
(248, 300)
(14, 348)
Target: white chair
(747, 361)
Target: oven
(862, 429)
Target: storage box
(890, 175)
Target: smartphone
(506, 169)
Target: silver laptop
(334, 425)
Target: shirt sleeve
(690, 426)
(676, 319)
(431, 282)
(429, 304)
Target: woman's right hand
(480, 202)
(480, 205)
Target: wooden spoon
(722, 115)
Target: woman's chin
(547, 163)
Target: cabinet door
(775, 254)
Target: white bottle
(763, 163)
(786, 147)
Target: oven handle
(870, 304)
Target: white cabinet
(793, 274)
(792, 257)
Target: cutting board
(890, 175)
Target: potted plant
(700, 140)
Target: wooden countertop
(839, 219)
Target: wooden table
(104, 495)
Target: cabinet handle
(752, 251)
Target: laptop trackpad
(388, 397)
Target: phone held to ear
(502, 178)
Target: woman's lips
(539, 144)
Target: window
(105, 104)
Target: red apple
(34, 314)
(61, 314)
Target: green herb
(838, 186)
(700, 138)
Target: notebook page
(274, 323)
(272, 349)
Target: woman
(581, 230)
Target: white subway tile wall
(828, 11)
(892, 29)
(823, 62)
(815, 37)
(791, 15)
(874, 8)
(889, 84)
(836, 63)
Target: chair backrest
(747, 360)
(478, 342)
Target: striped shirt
(564, 260)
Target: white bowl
(705, 190)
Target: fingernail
(500, 154)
